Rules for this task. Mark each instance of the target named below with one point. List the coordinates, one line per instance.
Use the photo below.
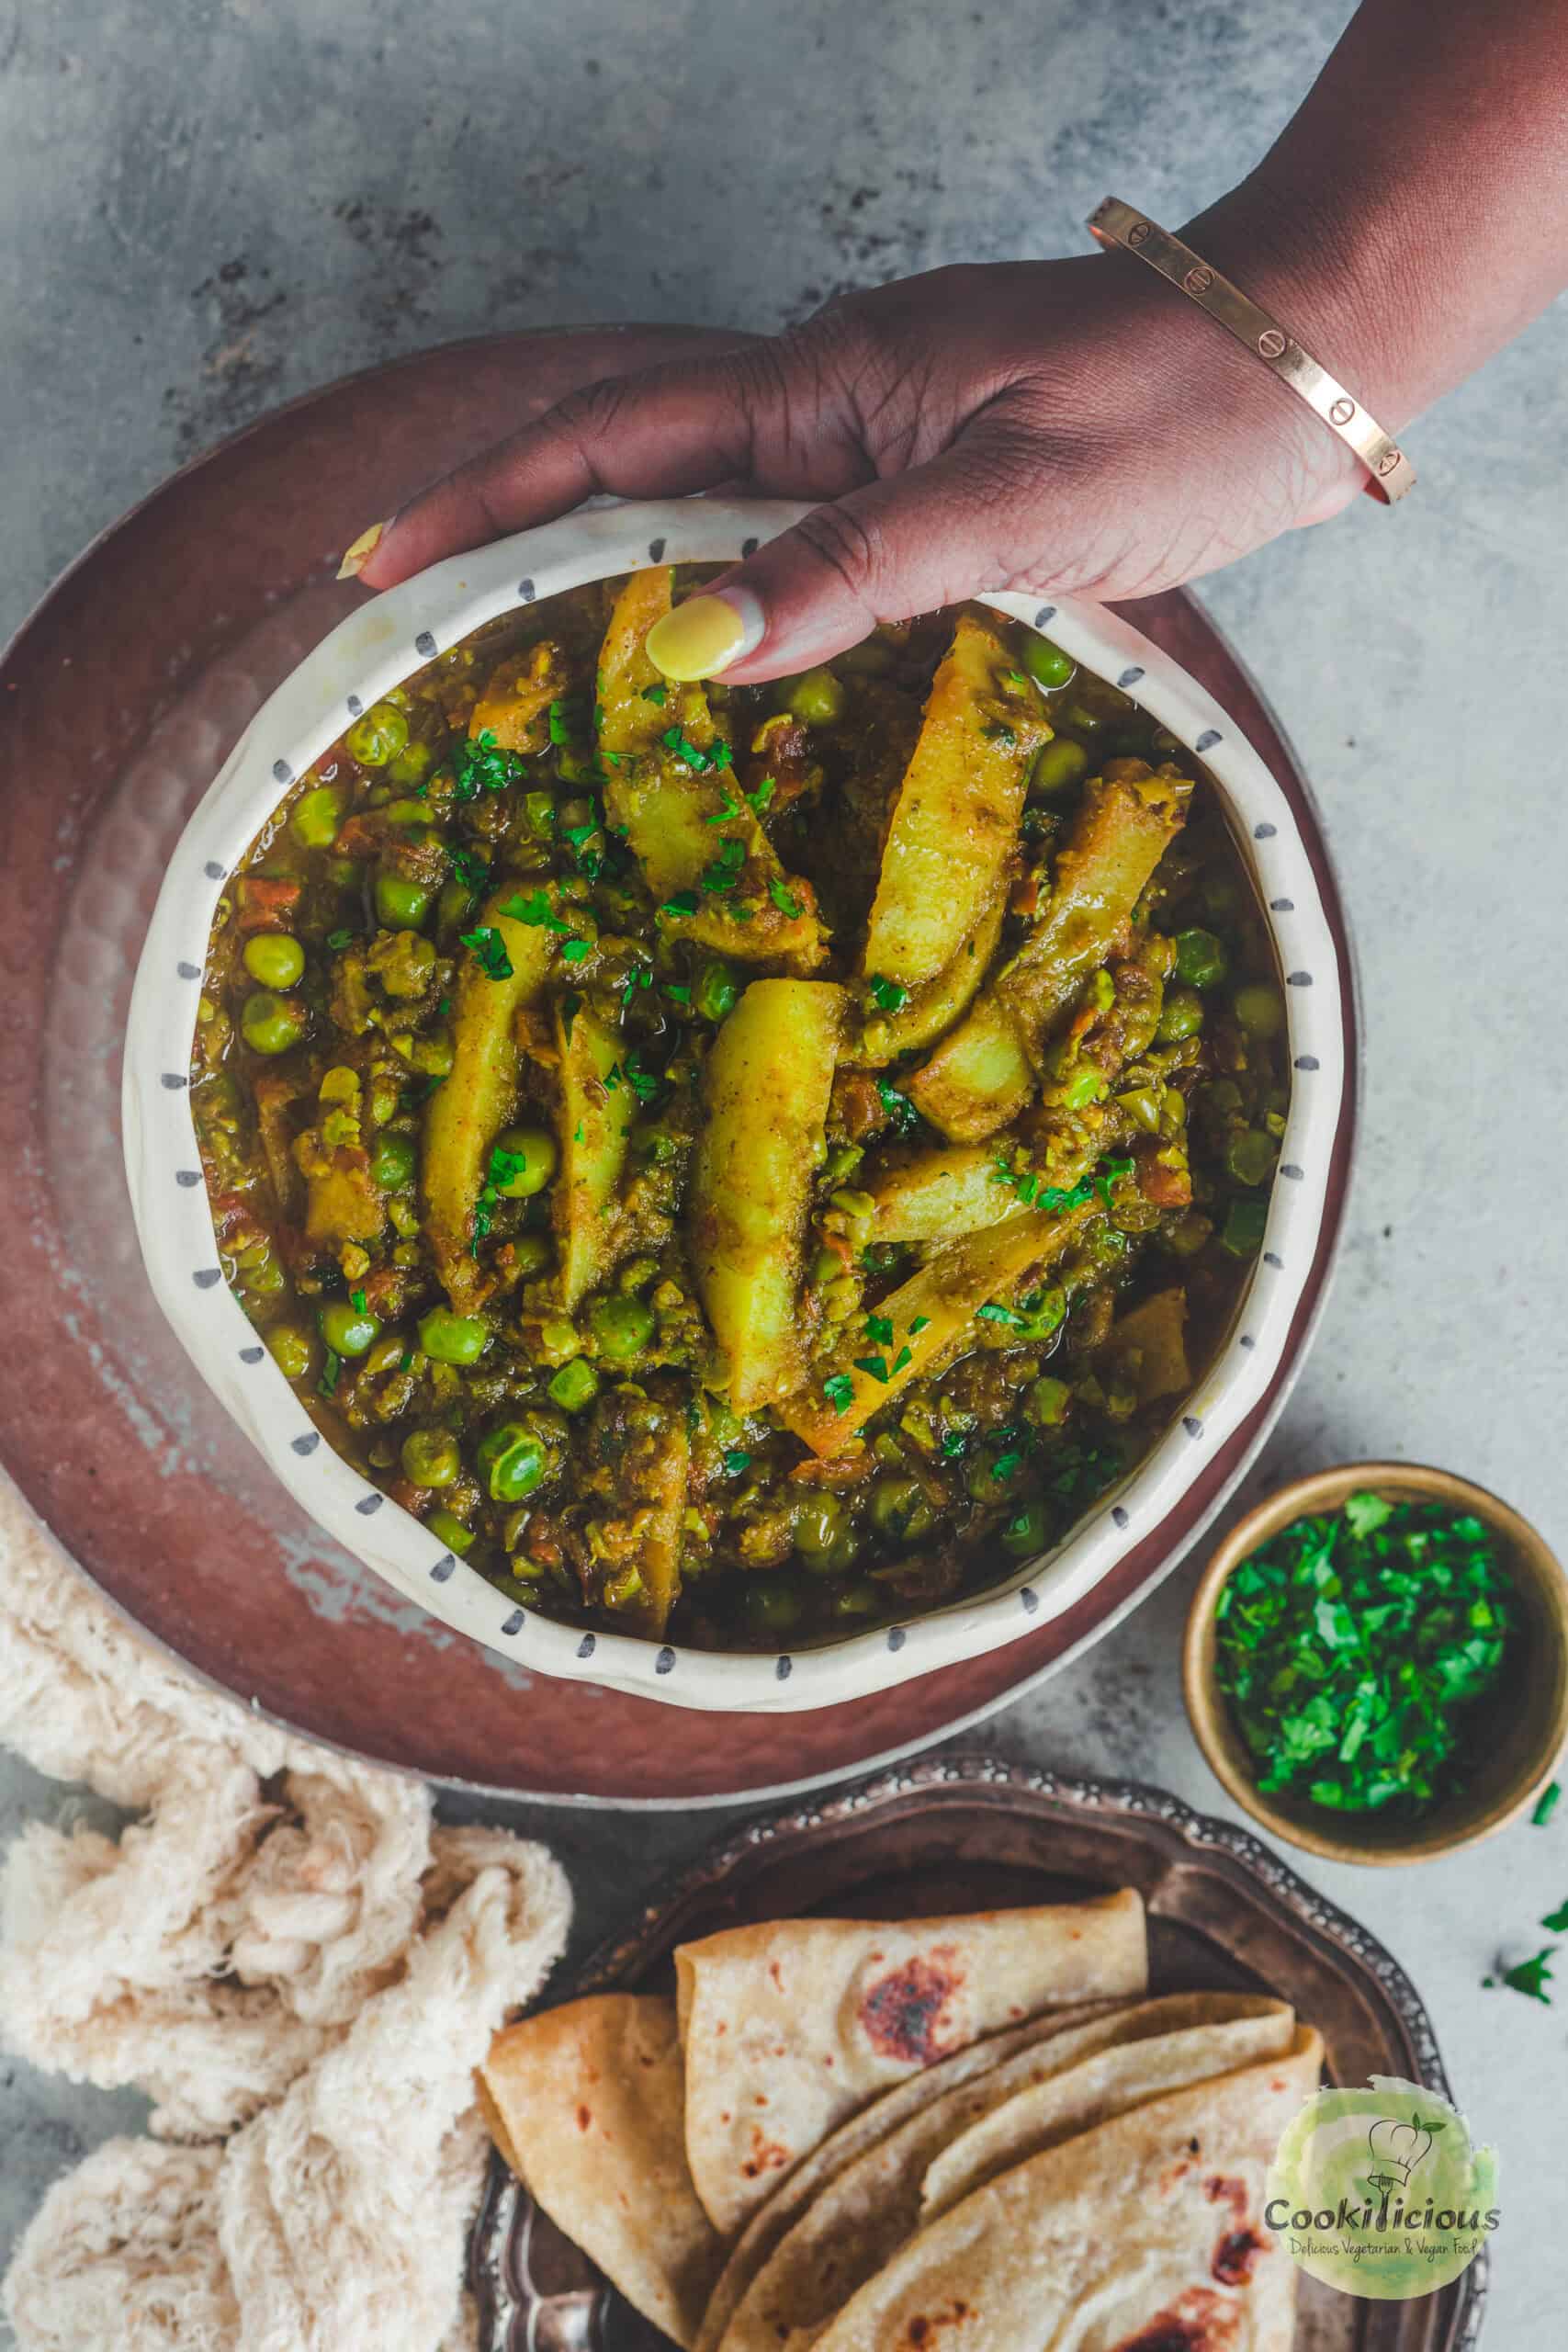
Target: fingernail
(360, 553)
(706, 634)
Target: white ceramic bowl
(390, 639)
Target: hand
(1064, 426)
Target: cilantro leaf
(1547, 1804)
(735, 1461)
(840, 1391)
(1556, 1921)
(479, 764)
(490, 950)
(536, 910)
(785, 901)
(888, 996)
(1532, 1977)
(900, 1110)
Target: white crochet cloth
(292, 1960)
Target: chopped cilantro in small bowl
(1376, 1663)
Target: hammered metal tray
(971, 1833)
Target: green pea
(393, 1161)
(431, 1457)
(450, 1532)
(346, 1329)
(529, 1162)
(291, 1349)
(409, 812)
(622, 1326)
(401, 904)
(816, 696)
(270, 1023)
(1085, 1086)
(818, 1523)
(1180, 1014)
(1250, 1156)
(379, 737)
(1047, 663)
(1046, 1401)
(861, 1599)
(273, 958)
(900, 1509)
(1060, 764)
(1038, 1321)
(511, 1461)
(1200, 958)
(771, 1604)
(453, 1339)
(317, 816)
(1245, 1225)
(1189, 1234)
(413, 763)
(456, 904)
(1025, 1532)
(532, 1254)
(1258, 1009)
(574, 1385)
(717, 989)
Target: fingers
(924, 538)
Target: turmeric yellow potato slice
(1129, 818)
(955, 820)
(930, 1314)
(983, 1073)
(767, 1084)
(513, 707)
(598, 1104)
(671, 788)
(475, 1100)
(933, 1010)
(937, 1194)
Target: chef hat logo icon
(1397, 2148)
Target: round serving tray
(970, 1833)
(119, 699)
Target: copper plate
(118, 701)
(971, 1833)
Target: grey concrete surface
(210, 205)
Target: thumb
(899, 547)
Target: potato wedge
(679, 803)
(1129, 819)
(513, 706)
(932, 1010)
(938, 1194)
(1150, 1343)
(929, 1313)
(475, 1100)
(598, 1105)
(767, 1085)
(955, 820)
(977, 1079)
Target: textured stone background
(211, 205)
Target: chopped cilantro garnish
(471, 870)
(684, 902)
(644, 1083)
(1005, 1465)
(479, 764)
(759, 798)
(655, 695)
(724, 871)
(672, 988)
(1556, 1921)
(875, 1366)
(491, 949)
(536, 910)
(735, 1461)
(879, 1329)
(887, 995)
(504, 1165)
(676, 740)
(902, 1113)
(730, 808)
(357, 1300)
(330, 1372)
(574, 951)
(1354, 1649)
(1034, 1192)
(993, 1312)
(999, 733)
(840, 1391)
(1547, 1804)
(570, 1006)
(566, 720)
(954, 1443)
(786, 901)
(903, 1358)
(918, 1324)
(338, 940)
(1532, 1977)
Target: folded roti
(769, 2223)
(789, 2026)
(1064, 2084)
(585, 2104)
(1146, 2231)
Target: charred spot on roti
(583, 2119)
(766, 2157)
(924, 2326)
(1234, 2256)
(1197, 2322)
(904, 2013)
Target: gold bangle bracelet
(1390, 471)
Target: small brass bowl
(1531, 1720)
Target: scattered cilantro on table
(1354, 1650)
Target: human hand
(1064, 426)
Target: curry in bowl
(742, 1163)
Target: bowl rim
(1326, 1491)
(385, 641)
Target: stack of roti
(941, 2135)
